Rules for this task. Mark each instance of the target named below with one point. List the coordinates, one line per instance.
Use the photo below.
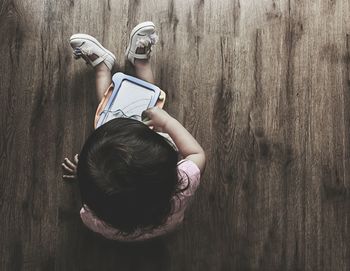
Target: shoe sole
(133, 32)
(92, 39)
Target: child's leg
(142, 38)
(88, 48)
(103, 80)
(143, 70)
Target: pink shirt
(180, 202)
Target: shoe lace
(80, 52)
(147, 41)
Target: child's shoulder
(188, 166)
(189, 174)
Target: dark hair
(128, 175)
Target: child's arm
(185, 142)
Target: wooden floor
(263, 85)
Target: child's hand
(156, 117)
(69, 168)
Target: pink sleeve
(95, 224)
(189, 172)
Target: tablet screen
(130, 101)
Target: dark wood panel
(264, 87)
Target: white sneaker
(142, 38)
(88, 48)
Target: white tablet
(130, 97)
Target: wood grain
(263, 85)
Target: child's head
(128, 175)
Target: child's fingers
(76, 159)
(147, 122)
(146, 114)
(67, 168)
(68, 176)
(69, 163)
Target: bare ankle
(141, 61)
(101, 67)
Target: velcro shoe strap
(102, 59)
(132, 56)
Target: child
(135, 178)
